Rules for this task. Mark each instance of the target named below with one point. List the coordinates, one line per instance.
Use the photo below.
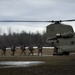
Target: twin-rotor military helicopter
(60, 36)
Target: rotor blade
(67, 20)
(35, 21)
(21, 21)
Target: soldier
(55, 50)
(40, 50)
(4, 50)
(31, 49)
(13, 50)
(23, 50)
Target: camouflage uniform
(4, 50)
(39, 50)
(23, 50)
(31, 49)
(55, 50)
(13, 50)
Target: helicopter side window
(57, 41)
(52, 43)
(72, 42)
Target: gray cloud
(36, 10)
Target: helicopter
(59, 35)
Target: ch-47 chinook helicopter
(60, 36)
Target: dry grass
(54, 65)
(18, 51)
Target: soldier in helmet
(40, 50)
(55, 50)
(31, 49)
(4, 50)
(23, 50)
(13, 50)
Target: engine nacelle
(65, 35)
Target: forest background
(23, 38)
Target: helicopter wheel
(66, 53)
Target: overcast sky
(35, 10)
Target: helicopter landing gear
(62, 53)
(66, 53)
(59, 53)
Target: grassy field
(54, 65)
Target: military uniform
(13, 50)
(55, 50)
(31, 49)
(39, 50)
(4, 50)
(23, 50)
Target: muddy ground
(54, 65)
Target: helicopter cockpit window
(52, 43)
(57, 41)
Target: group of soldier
(23, 50)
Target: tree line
(23, 38)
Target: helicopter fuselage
(61, 36)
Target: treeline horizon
(23, 38)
